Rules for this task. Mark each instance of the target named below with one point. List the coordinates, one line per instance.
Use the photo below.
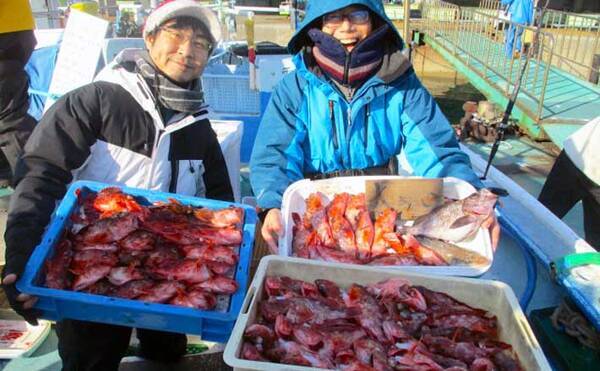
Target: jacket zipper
(332, 119)
(346, 68)
(367, 114)
(157, 139)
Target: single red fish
(218, 285)
(224, 218)
(108, 230)
(187, 270)
(138, 241)
(56, 267)
(111, 201)
(92, 275)
(121, 275)
(384, 223)
(133, 289)
(365, 233)
(84, 260)
(162, 292)
(357, 205)
(341, 228)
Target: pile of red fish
(163, 253)
(344, 232)
(390, 325)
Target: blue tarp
(40, 68)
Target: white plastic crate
(296, 194)
(492, 296)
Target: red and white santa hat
(170, 9)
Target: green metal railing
(577, 43)
(477, 39)
(490, 7)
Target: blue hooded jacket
(521, 11)
(391, 112)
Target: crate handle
(249, 299)
(529, 337)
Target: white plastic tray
(296, 194)
(493, 296)
(31, 337)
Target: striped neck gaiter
(348, 68)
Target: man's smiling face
(179, 53)
(349, 25)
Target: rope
(574, 324)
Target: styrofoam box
(296, 194)
(495, 297)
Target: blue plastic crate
(61, 304)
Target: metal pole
(594, 74)
(406, 35)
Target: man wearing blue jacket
(352, 104)
(521, 12)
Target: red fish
(223, 218)
(330, 255)
(307, 335)
(219, 268)
(195, 299)
(301, 235)
(108, 230)
(186, 270)
(341, 228)
(365, 233)
(259, 334)
(295, 353)
(138, 241)
(56, 268)
(371, 318)
(219, 254)
(111, 201)
(357, 205)
(321, 225)
(108, 247)
(92, 275)
(423, 254)
(121, 275)
(102, 287)
(162, 292)
(133, 289)
(314, 203)
(162, 255)
(218, 285)
(189, 234)
(84, 260)
(283, 327)
(251, 353)
(384, 223)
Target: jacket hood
(316, 9)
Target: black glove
(15, 264)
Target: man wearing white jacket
(143, 123)
(575, 177)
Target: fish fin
(462, 221)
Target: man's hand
(491, 223)
(272, 229)
(21, 303)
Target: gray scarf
(169, 94)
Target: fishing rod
(513, 97)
